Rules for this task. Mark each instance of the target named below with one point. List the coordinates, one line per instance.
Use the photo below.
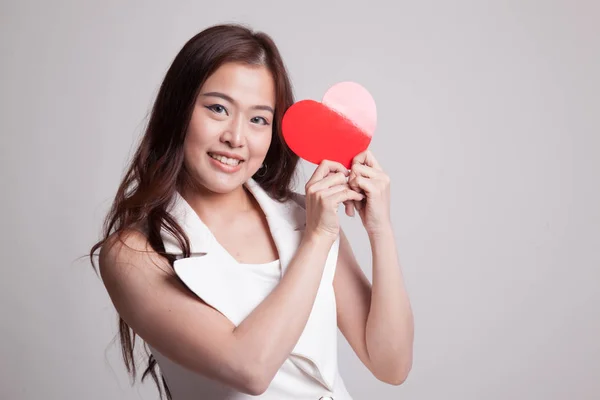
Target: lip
(226, 154)
(224, 167)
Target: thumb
(349, 205)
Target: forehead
(246, 84)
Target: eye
(217, 108)
(259, 120)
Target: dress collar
(280, 215)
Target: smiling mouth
(226, 160)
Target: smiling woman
(230, 130)
(235, 283)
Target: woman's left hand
(366, 176)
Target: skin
(376, 321)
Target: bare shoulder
(131, 270)
(151, 299)
(127, 250)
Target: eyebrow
(231, 100)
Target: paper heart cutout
(337, 129)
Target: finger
(334, 190)
(358, 205)
(349, 205)
(346, 195)
(351, 182)
(326, 195)
(363, 170)
(330, 191)
(360, 183)
(366, 158)
(335, 179)
(325, 168)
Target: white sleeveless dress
(235, 289)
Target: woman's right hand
(325, 191)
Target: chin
(223, 183)
(224, 187)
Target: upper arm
(151, 299)
(353, 299)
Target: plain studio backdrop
(489, 127)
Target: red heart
(337, 129)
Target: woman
(237, 284)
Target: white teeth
(225, 160)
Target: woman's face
(231, 127)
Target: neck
(217, 207)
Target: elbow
(396, 379)
(250, 370)
(256, 387)
(395, 376)
(256, 381)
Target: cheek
(195, 144)
(189, 153)
(265, 142)
(258, 147)
(200, 132)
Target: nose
(233, 135)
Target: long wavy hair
(156, 170)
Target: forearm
(270, 332)
(390, 327)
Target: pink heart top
(355, 103)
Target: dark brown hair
(157, 170)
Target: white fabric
(235, 289)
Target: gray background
(488, 126)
